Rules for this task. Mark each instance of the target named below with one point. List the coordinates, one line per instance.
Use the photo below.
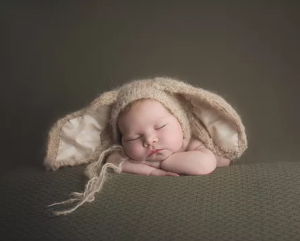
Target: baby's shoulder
(194, 144)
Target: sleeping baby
(155, 127)
(153, 141)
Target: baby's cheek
(132, 151)
(176, 142)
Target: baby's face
(150, 132)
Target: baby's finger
(153, 164)
(172, 174)
(222, 162)
(160, 172)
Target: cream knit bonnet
(138, 90)
(91, 134)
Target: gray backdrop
(59, 55)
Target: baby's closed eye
(130, 139)
(160, 126)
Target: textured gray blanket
(240, 202)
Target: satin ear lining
(80, 136)
(222, 130)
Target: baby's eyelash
(161, 127)
(134, 139)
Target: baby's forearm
(199, 162)
(130, 166)
(136, 168)
(144, 169)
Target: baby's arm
(136, 167)
(196, 160)
(144, 169)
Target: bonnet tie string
(95, 183)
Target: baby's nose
(150, 141)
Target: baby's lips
(154, 151)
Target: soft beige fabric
(145, 90)
(91, 134)
(79, 137)
(221, 131)
(75, 139)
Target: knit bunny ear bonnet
(146, 89)
(91, 134)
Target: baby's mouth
(154, 151)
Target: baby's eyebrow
(129, 134)
(132, 135)
(155, 122)
(126, 135)
(162, 118)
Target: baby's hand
(152, 164)
(115, 158)
(160, 172)
(222, 161)
(142, 168)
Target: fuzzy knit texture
(145, 89)
(202, 115)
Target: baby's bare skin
(196, 144)
(155, 168)
(153, 142)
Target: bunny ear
(78, 138)
(212, 119)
